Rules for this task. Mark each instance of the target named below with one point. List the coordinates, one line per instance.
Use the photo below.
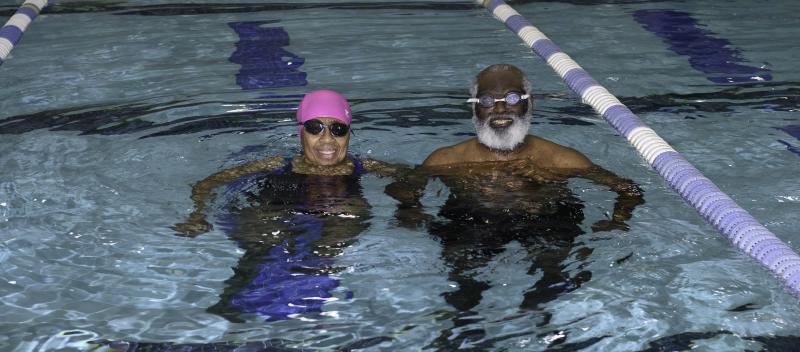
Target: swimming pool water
(109, 111)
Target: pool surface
(111, 110)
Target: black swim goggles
(315, 127)
(487, 101)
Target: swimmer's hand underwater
(608, 225)
(195, 224)
(202, 191)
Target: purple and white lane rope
(12, 31)
(719, 210)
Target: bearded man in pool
(505, 185)
(290, 216)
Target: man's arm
(569, 162)
(408, 189)
(196, 223)
(384, 169)
(629, 195)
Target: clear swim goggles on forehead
(487, 101)
(315, 127)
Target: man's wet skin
(503, 126)
(508, 186)
(491, 205)
(503, 186)
(498, 85)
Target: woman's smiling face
(324, 149)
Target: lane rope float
(716, 207)
(12, 31)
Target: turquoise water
(110, 111)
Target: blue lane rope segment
(717, 208)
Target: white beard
(505, 139)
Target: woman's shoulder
(270, 163)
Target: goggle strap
(476, 100)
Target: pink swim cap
(323, 103)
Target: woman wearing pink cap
(324, 127)
(289, 215)
(323, 118)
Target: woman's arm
(195, 223)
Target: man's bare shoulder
(554, 155)
(450, 155)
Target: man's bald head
(506, 73)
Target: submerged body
(490, 206)
(290, 217)
(290, 226)
(506, 186)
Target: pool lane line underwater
(12, 31)
(794, 131)
(719, 210)
(713, 56)
(265, 63)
